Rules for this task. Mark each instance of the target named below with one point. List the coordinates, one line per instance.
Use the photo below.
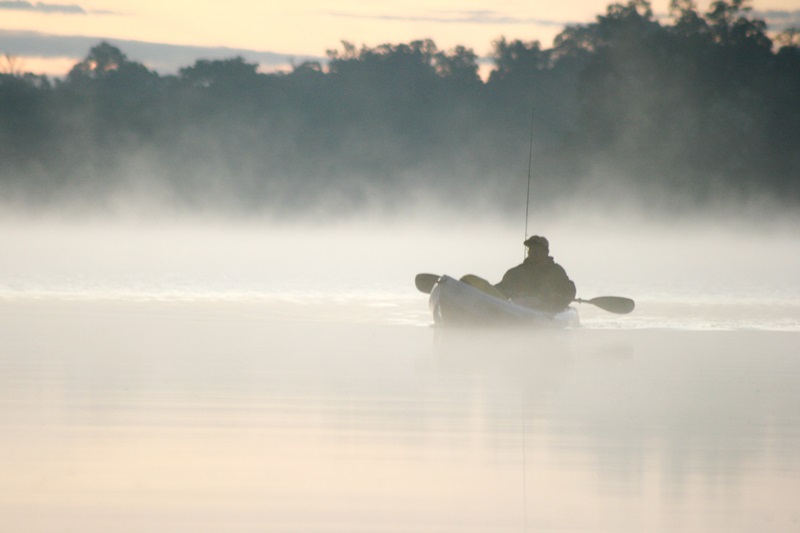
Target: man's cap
(536, 240)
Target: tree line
(703, 106)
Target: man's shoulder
(516, 269)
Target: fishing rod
(528, 194)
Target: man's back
(539, 282)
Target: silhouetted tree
(24, 129)
(460, 67)
(225, 75)
(700, 103)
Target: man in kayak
(539, 281)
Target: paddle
(425, 282)
(612, 304)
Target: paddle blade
(425, 282)
(612, 304)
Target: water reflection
(165, 417)
(648, 430)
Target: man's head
(537, 246)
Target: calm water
(142, 392)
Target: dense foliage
(704, 106)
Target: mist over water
(690, 273)
(211, 374)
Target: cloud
(41, 7)
(482, 17)
(165, 58)
(779, 15)
(779, 20)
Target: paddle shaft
(612, 304)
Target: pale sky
(50, 37)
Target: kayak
(454, 302)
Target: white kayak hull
(454, 302)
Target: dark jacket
(540, 283)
